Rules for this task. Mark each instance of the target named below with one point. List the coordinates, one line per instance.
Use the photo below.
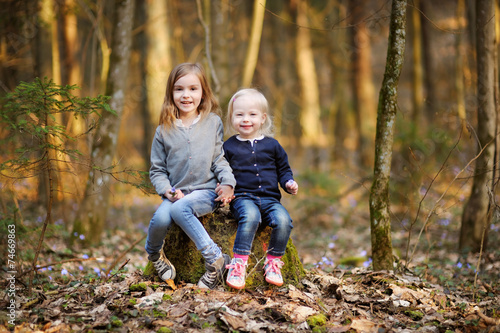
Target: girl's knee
(250, 216)
(281, 222)
(179, 210)
(159, 224)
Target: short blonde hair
(267, 127)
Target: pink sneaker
(237, 273)
(272, 271)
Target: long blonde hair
(169, 111)
(267, 127)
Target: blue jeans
(185, 212)
(250, 211)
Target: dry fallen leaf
(163, 323)
(234, 322)
(171, 284)
(364, 326)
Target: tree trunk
(312, 134)
(221, 41)
(190, 265)
(460, 59)
(417, 69)
(91, 217)
(339, 124)
(429, 80)
(147, 122)
(477, 213)
(158, 58)
(363, 89)
(380, 219)
(259, 8)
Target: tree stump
(221, 226)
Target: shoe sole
(274, 282)
(235, 286)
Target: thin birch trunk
(380, 219)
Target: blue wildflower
(172, 191)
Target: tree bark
(190, 265)
(380, 219)
(476, 217)
(93, 210)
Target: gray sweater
(190, 158)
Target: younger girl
(259, 164)
(187, 163)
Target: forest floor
(102, 289)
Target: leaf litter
(357, 300)
(85, 294)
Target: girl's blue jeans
(250, 211)
(185, 212)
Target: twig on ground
(115, 262)
(57, 263)
(488, 320)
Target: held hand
(292, 187)
(174, 195)
(225, 194)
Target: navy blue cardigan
(260, 168)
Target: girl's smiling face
(247, 117)
(187, 95)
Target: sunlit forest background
(319, 63)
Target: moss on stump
(221, 226)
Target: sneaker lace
(160, 266)
(274, 266)
(210, 277)
(238, 268)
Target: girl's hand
(292, 187)
(225, 194)
(174, 195)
